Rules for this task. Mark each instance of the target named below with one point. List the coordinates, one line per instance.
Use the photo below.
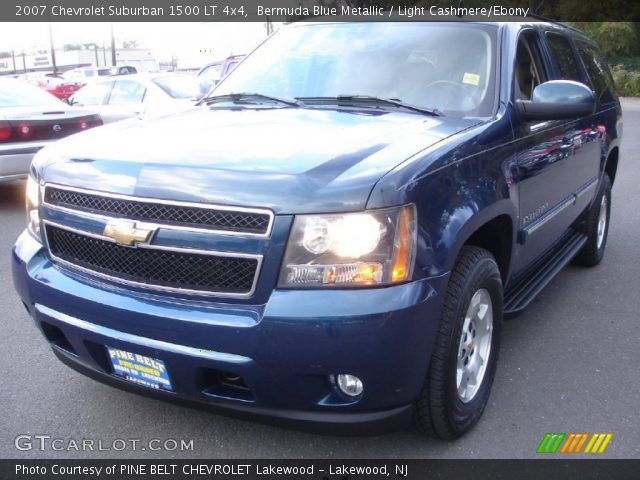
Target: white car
(85, 74)
(140, 95)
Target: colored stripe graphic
(554, 442)
(598, 443)
(581, 442)
(568, 443)
(574, 443)
(550, 442)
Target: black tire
(592, 253)
(439, 410)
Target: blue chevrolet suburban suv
(334, 235)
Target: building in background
(143, 59)
(180, 46)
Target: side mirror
(142, 111)
(558, 100)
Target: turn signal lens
(403, 246)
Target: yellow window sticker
(471, 78)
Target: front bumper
(285, 350)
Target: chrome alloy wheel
(475, 345)
(602, 221)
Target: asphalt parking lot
(568, 364)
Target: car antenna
(460, 5)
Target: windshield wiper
(370, 100)
(246, 97)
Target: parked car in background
(31, 118)
(56, 86)
(124, 70)
(140, 95)
(211, 74)
(83, 75)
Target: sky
(191, 41)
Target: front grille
(169, 214)
(154, 267)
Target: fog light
(349, 385)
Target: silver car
(30, 118)
(139, 95)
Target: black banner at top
(318, 10)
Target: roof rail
(557, 22)
(542, 18)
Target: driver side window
(529, 72)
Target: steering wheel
(446, 93)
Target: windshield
(446, 67)
(14, 93)
(179, 86)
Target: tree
(617, 39)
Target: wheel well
(611, 166)
(496, 236)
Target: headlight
(33, 204)
(376, 247)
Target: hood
(292, 160)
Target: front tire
(465, 354)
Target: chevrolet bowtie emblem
(126, 233)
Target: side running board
(519, 295)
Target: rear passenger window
(564, 57)
(597, 69)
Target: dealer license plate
(140, 369)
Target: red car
(57, 86)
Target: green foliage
(627, 78)
(617, 39)
(621, 44)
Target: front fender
(458, 186)
(472, 223)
